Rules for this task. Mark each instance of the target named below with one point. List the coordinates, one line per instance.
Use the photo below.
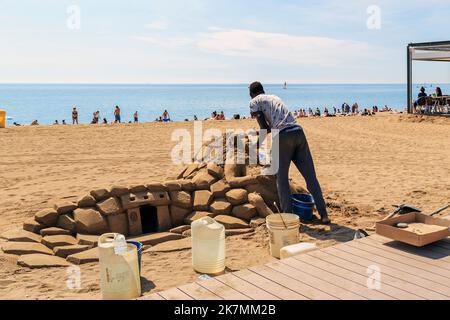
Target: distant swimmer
(74, 115)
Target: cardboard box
(389, 229)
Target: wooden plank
(152, 296)
(418, 272)
(435, 252)
(222, 290)
(272, 287)
(174, 294)
(440, 274)
(245, 287)
(397, 268)
(399, 287)
(303, 264)
(423, 287)
(423, 255)
(282, 279)
(341, 274)
(198, 292)
(436, 248)
(288, 277)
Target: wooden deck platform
(335, 273)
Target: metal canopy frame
(426, 51)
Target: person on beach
(34, 123)
(95, 116)
(56, 123)
(74, 115)
(64, 122)
(422, 93)
(438, 92)
(271, 113)
(117, 115)
(136, 117)
(166, 116)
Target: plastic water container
(119, 268)
(2, 118)
(303, 206)
(296, 249)
(283, 231)
(208, 246)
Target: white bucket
(283, 231)
(119, 273)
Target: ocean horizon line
(215, 84)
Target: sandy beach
(365, 165)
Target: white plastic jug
(283, 231)
(119, 268)
(208, 246)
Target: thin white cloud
(161, 24)
(164, 42)
(292, 49)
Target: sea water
(47, 103)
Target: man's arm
(259, 115)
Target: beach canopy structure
(426, 51)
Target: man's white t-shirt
(275, 111)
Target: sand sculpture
(237, 196)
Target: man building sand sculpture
(271, 113)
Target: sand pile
(235, 195)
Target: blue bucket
(139, 251)
(303, 206)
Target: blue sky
(217, 41)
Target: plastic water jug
(2, 118)
(208, 246)
(119, 268)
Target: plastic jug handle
(106, 238)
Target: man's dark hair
(256, 88)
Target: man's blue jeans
(293, 147)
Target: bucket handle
(281, 216)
